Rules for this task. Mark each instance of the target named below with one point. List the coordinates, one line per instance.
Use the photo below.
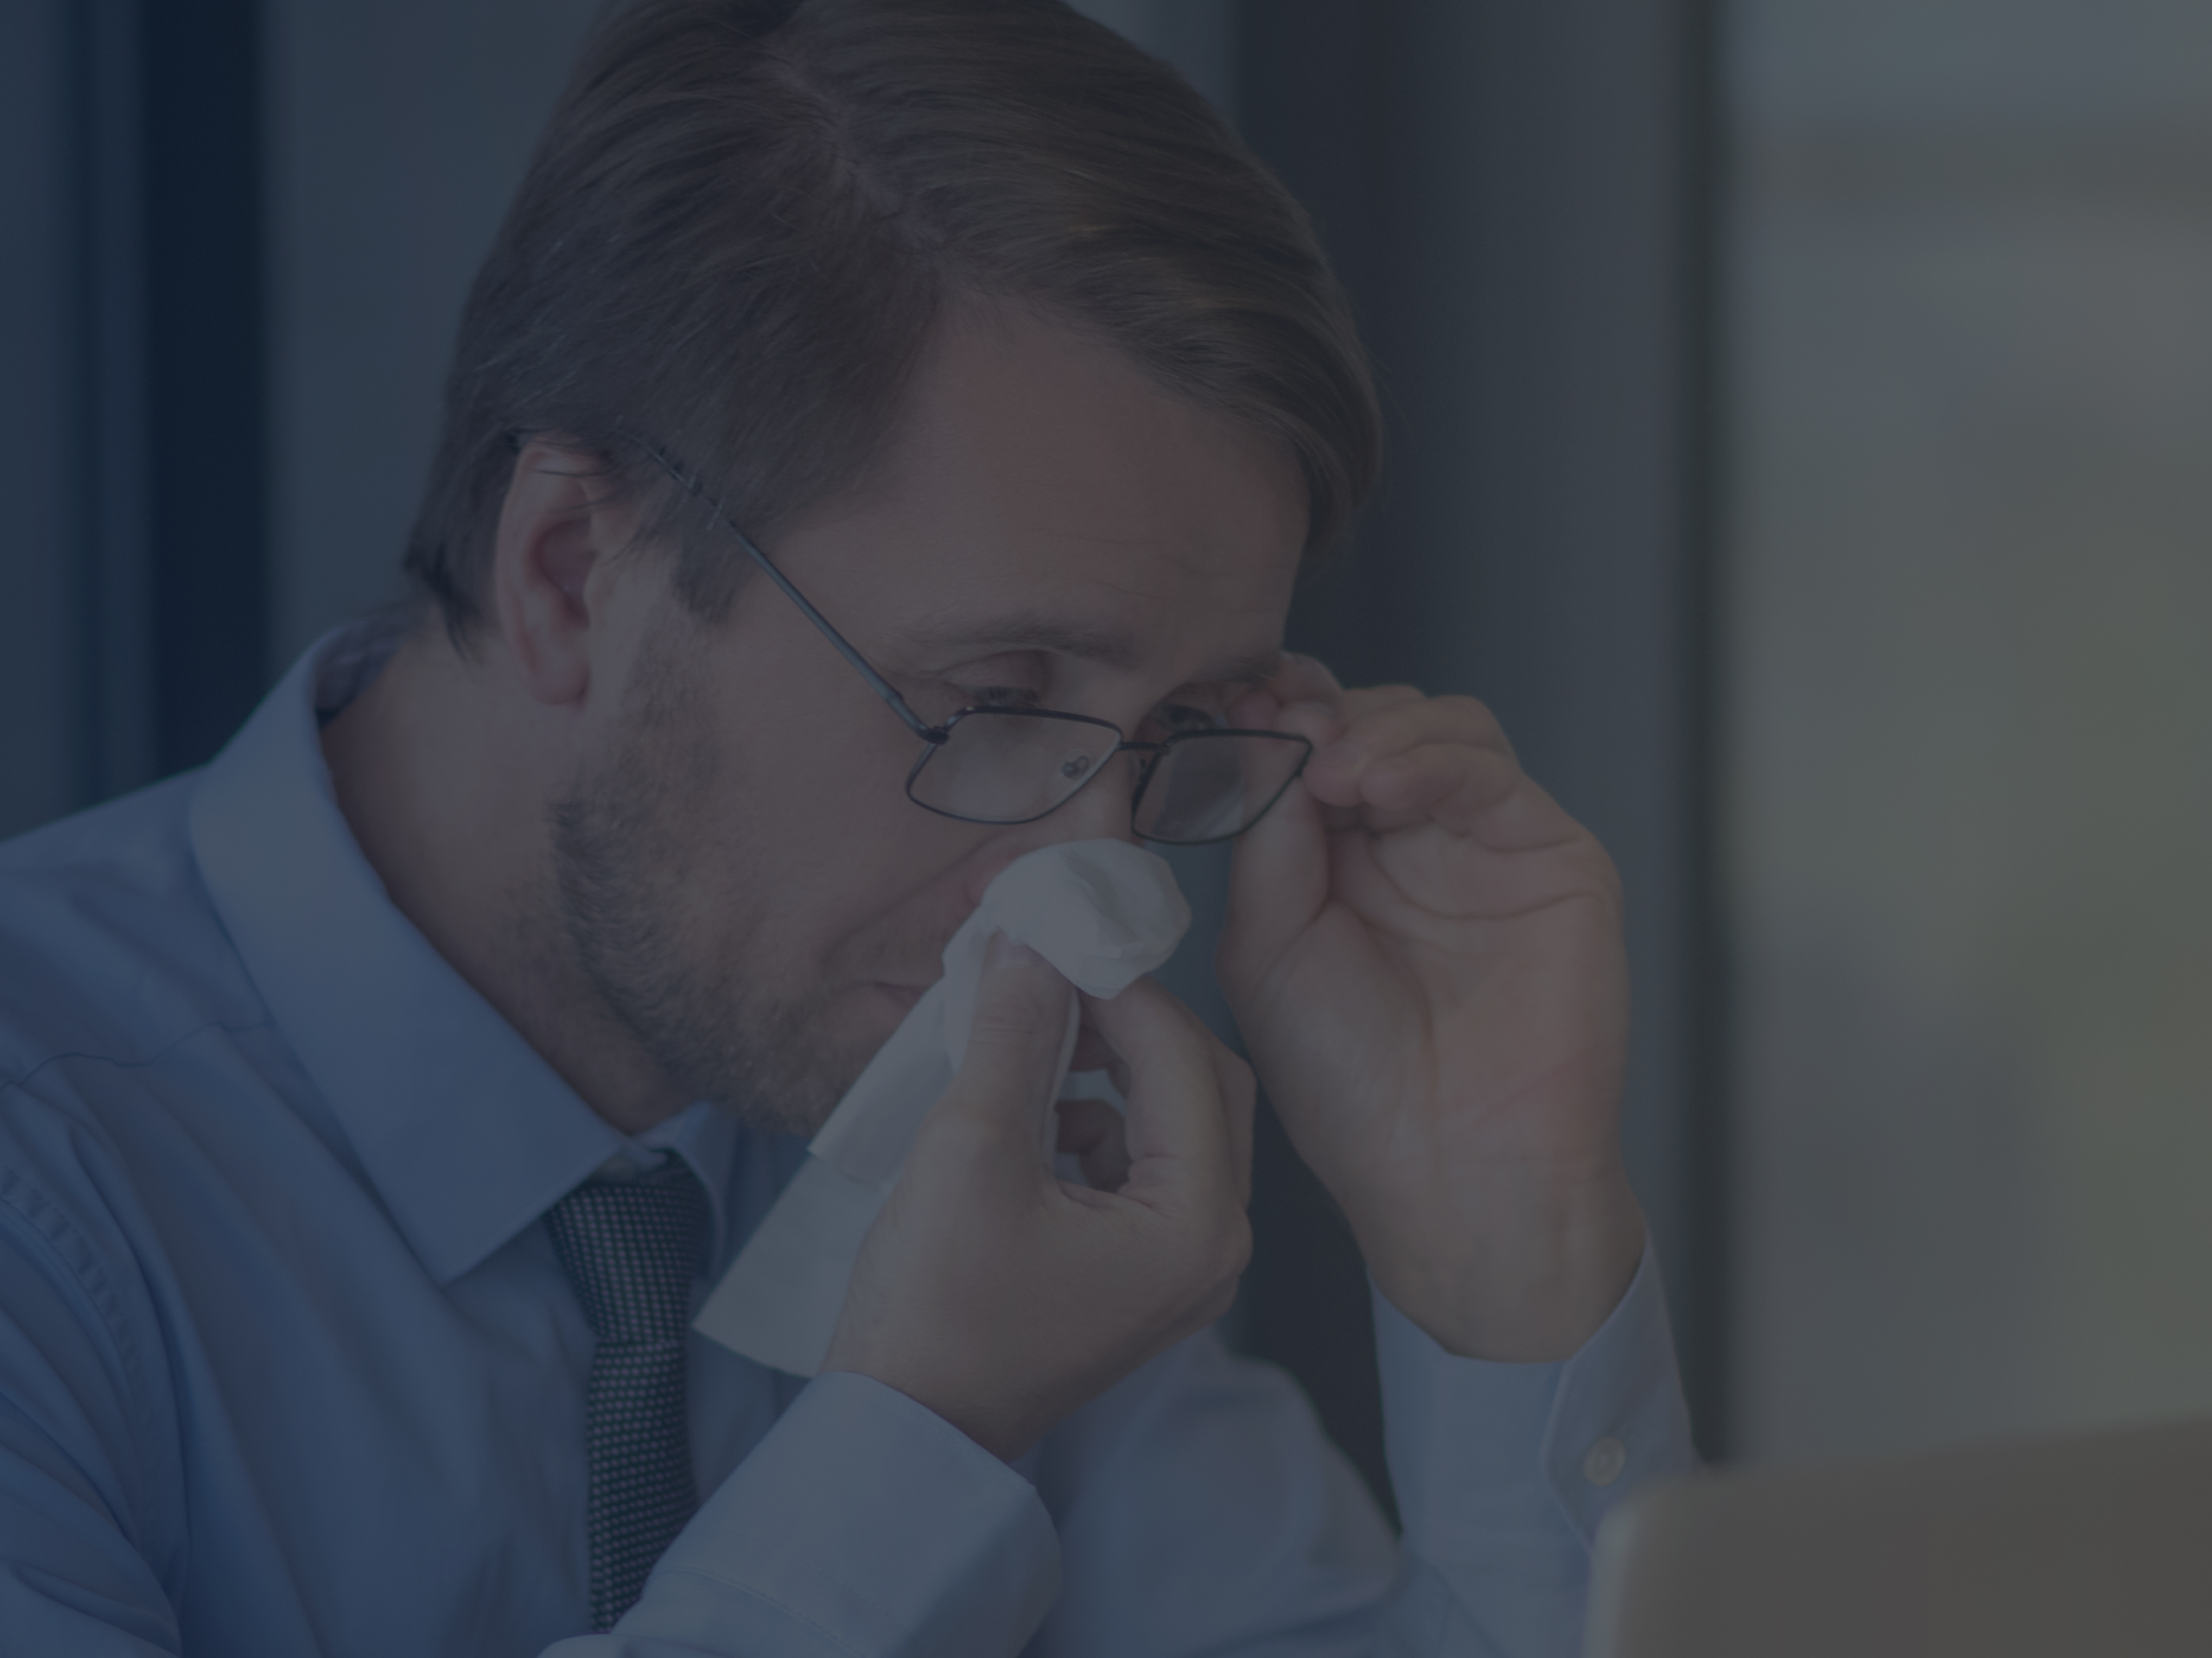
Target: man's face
(739, 869)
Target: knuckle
(1475, 716)
(1018, 1016)
(1001, 1023)
(1216, 1240)
(1598, 871)
(1232, 1250)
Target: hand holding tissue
(1102, 914)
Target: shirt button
(1603, 1462)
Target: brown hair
(743, 218)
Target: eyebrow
(1114, 647)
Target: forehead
(1041, 485)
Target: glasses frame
(936, 737)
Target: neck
(441, 770)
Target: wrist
(1003, 1432)
(1515, 1275)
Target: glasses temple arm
(879, 685)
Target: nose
(1097, 811)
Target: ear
(554, 558)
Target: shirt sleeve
(1202, 1510)
(1504, 1473)
(1195, 1508)
(862, 1526)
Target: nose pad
(1097, 811)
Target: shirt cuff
(1492, 1461)
(862, 1523)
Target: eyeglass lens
(1009, 766)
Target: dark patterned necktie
(630, 1248)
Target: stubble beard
(659, 935)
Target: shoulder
(110, 948)
(111, 958)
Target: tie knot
(630, 1248)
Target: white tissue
(1104, 913)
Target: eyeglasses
(1015, 766)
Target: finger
(1440, 783)
(1012, 1065)
(1094, 1052)
(1468, 792)
(1317, 721)
(1305, 679)
(1093, 1131)
(1254, 711)
(1368, 699)
(1279, 873)
(1384, 727)
(1326, 726)
(1239, 1097)
(1302, 697)
(1176, 1112)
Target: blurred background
(1802, 433)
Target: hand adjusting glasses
(1014, 765)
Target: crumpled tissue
(1104, 913)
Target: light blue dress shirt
(288, 1366)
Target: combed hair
(743, 220)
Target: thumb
(1020, 1021)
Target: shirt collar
(468, 1134)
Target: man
(882, 443)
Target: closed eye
(1174, 719)
(997, 696)
(1167, 720)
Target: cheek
(841, 878)
(827, 803)
(848, 878)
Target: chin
(818, 1057)
(858, 1023)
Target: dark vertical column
(41, 723)
(207, 476)
(1517, 197)
(134, 635)
(1318, 88)
(107, 547)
